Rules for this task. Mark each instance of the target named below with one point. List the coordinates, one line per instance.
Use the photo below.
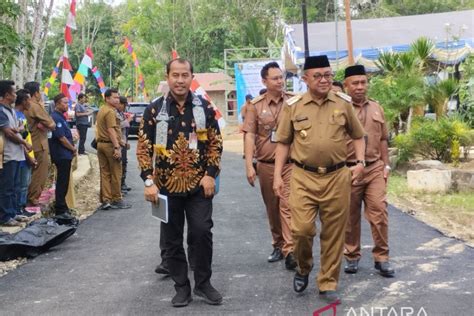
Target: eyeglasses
(328, 76)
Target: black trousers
(62, 183)
(82, 129)
(197, 210)
(163, 248)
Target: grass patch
(452, 213)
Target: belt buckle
(322, 170)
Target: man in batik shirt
(180, 129)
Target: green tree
(11, 43)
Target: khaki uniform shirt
(36, 115)
(371, 115)
(262, 117)
(107, 117)
(318, 131)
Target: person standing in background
(22, 104)
(82, 121)
(124, 127)
(41, 125)
(62, 151)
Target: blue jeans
(24, 176)
(9, 180)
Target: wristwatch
(117, 147)
(149, 183)
(388, 168)
(361, 162)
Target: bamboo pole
(350, 49)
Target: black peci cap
(356, 70)
(316, 62)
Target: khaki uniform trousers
(372, 190)
(328, 195)
(278, 211)
(39, 175)
(110, 173)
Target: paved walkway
(107, 267)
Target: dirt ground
(87, 191)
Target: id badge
(193, 141)
(273, 137)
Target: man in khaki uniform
(315, 126)
(109, 152)
(263, 114)
(373, 183)
(41, 125)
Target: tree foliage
(11, 43)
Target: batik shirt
(179, 169)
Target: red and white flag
(66, 78)
(70, 23)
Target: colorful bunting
(140, 81)
(99, 79)
(52, 78)
(81, 74)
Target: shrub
(440, 140)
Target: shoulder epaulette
(257, 99)
(373, 100)
(344, 96)
(293, 100)
(290, 93)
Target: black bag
(94, 144)
(35, 239)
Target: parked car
(136, 109)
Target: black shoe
(24, 212)
(300, 282)
(276, 255)
(162, 268)
(182, 297)
(385, 269)
(125, 188)
(351, 266)
(64, 215)
(210, 295)
(329, 296)
(290, 262)
(119, 205)
(66, 219)
(104, 206)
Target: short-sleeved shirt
(81, 120)
(107, 117)
(36, 115)
(318, 131)
(262, 117)
(372, 117)
(56, 148)
(11, 150)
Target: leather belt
(272, 161)
(367, 163)
(104, 141)
(320, 170)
